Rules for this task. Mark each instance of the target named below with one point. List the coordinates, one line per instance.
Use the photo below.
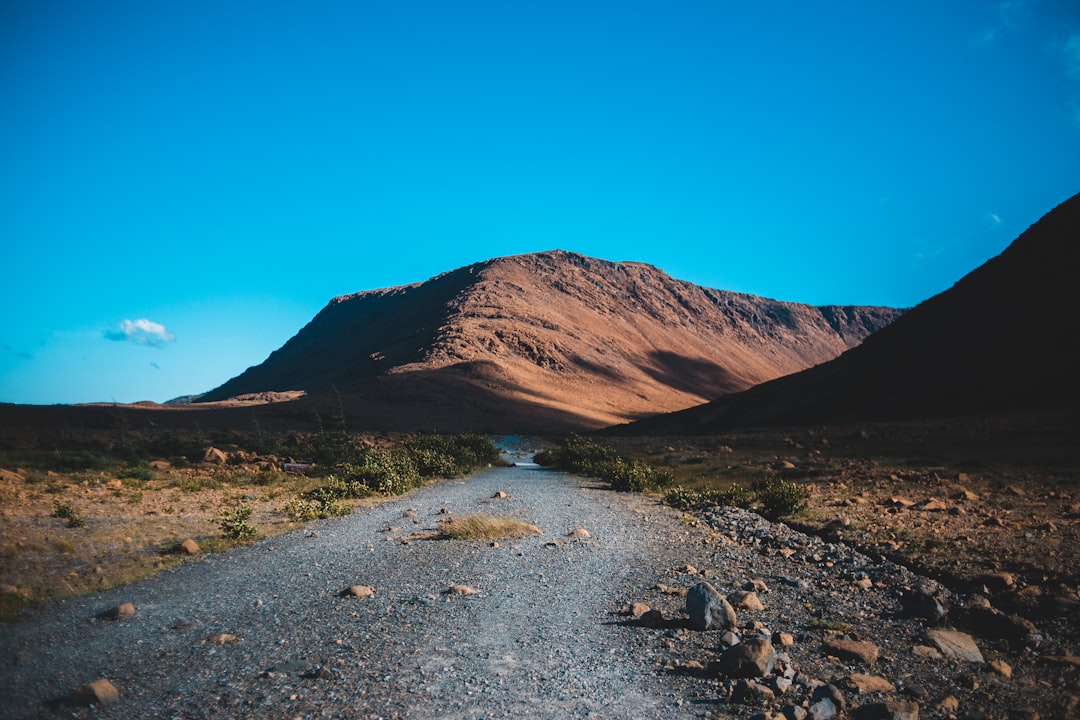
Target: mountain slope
(547, 341)
(1004, 338)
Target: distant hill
(545, 342)
(1005, 338)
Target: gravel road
(544, 635)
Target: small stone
(745, 600)
(927, 653)
(689, 569)
(160, 464)
(901, 502)
(214, 456)
(1002, 668)
(358, 591)
(955, 644)
(121, 612)
(756, 585)
(98, 692)
(867, 683)
(783, 639)
(190, 547)
(793, 712)
(921, 604)
(891, 710)
(580, 533)
(852, 650)
(729, 639)
(708, 609)
(500, 495)
(933, 505)
(222, 639)
(832, 694)
(460, 590)
(864, 583)
(949, 704)
(409, 514)
(994, 522)
(781, 685)
(754, 657)
(822, 710)
(638, 609)
(494, 543)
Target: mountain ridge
(564, 334)
(1004, 338)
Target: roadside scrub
(583, 456)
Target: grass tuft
(485, 527)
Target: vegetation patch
(771, 497)
(583, 456)
(485, 527)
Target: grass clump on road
(485, 527)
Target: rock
(793, 712)
(190, 547)
(358, 591)
(860, 683)
(781, 685)
(689, 569)
(580, 533)
(901, 502)
(891, 710)
(729, 639)
(821, 710)
(748, 692)
(222, 639)
(120, 612)
(756, 585)
(997, 581)
(864, 583)
(783, 639)
(852, 650)
(926, 652)
(919, 604)
(214, 456)
(500, 495)
(681, 592)
(1073, 660)
(460, 590)
(409, 514)
(933, 505)
(652, 618)
(1002, 668)
(955, 644)
(949, 704)
(755, 657)
(160, 464)
(745, 600)
(98, 692)
(992, 624)
(638, 609)
(708, 609)
(832, 694)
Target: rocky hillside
(1005, 338)
(550, 341)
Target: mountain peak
(554, 340)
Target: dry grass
(485, 527)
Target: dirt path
(542, 637)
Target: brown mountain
(1004, 339)
(550, 341)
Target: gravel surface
(547, 633)
(541, 637)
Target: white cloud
(140, 332)
(992, 219)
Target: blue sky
(184, 185)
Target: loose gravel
(541, 637)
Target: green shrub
(583, 456)
(66, 511)
(135, 473)
(236, 523)
(777, 497)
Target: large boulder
(752, 658)
(708, 609)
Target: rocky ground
(601, 626)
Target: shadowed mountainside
(1005, 338)
(550, 341)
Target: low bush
(66, 511)
(771, 497)
(583, 456)
(236, 524)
